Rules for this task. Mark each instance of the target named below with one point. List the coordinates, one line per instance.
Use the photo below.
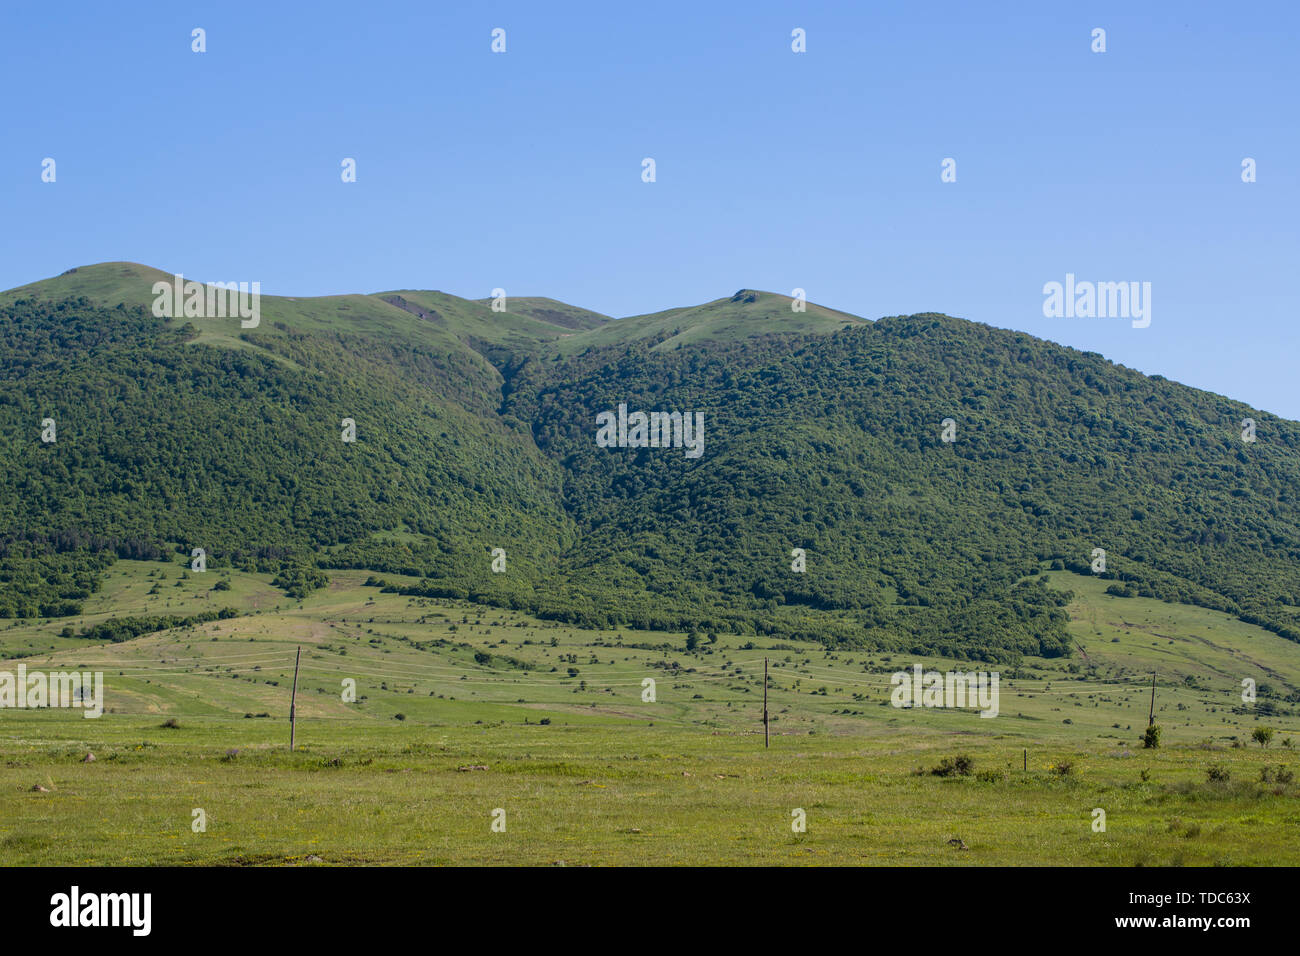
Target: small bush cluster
(958, 766)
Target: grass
(591, 794)
(588, 772)
(723, 320)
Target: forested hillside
(476, 430)
(163, 445)
(834, 444)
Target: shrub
(298, 582)
(958, 766)
(1151, 739)
(1218, 773)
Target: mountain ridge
(110, 283)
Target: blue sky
(775, 170)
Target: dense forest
(834, 444)
(830, 442)
(163, 446)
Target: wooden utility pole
(1026, 760)
(1151, 719)
(765, 703)
(293, 697)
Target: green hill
(164, 445)
(477, 430)
(833, 443)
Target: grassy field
(463, 710)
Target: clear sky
(775, 170)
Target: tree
(1151, 739)
(1263, 735)
(692, 641)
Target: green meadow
(421, 723)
